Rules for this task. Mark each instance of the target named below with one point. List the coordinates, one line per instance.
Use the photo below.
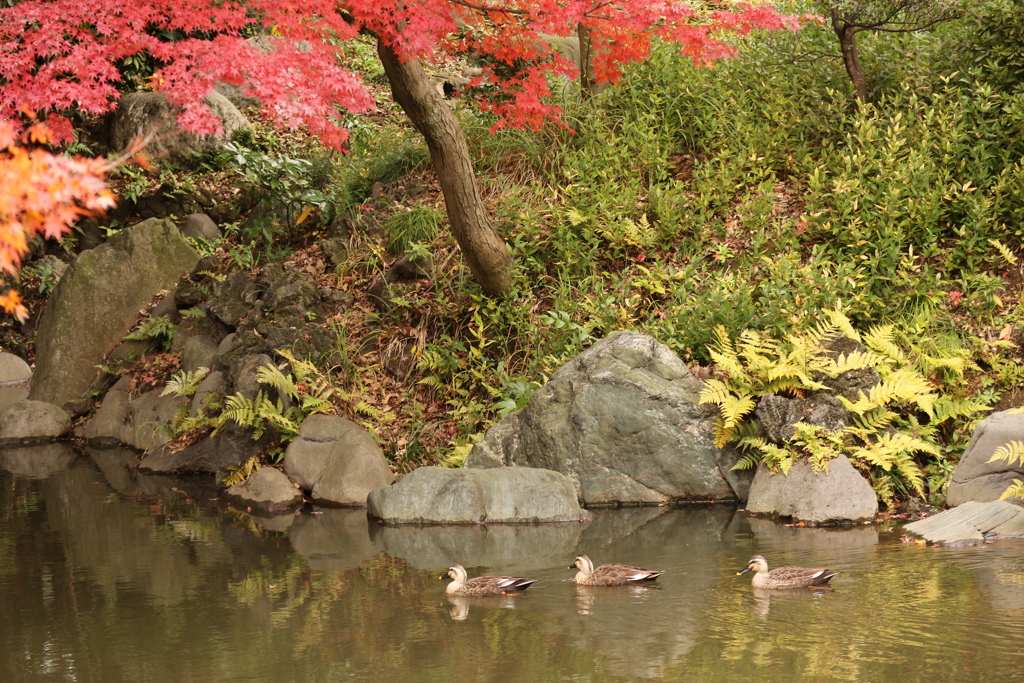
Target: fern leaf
(843, 324)
(315, 404)
(873, 421)
(185, 383)
(1014, 490)
(1011, 452)
(1004, 251)
(272, 376)
(736, 408)
(882, 340)
(724, 353)
(715, 391)
(243, 471)
(848, 362)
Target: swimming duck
(482, 585)
(785, 577)
(610, 574)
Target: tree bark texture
(848, 47)
(590, 85)
(485, 252)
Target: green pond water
(109, 576)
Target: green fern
(158, 331)
(185, 383)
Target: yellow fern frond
(848, 362)
(956, 364)
(1014, 490)
(843, 324)
(722, 435)
(243, 471)
(780, 385)
(1004, 251)
(1011, 452)
(902, 385)
(735, 408)
(714, 391)
(873, 421)
(881, 340)
(822, 332)
(884, 452)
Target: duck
(462, 586)
(610, 574)
(785, 577)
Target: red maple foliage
(41, 194)
(62, 56)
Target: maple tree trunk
(485, 252)
(591, 86)
(848, 47)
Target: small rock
(27, 419)
(268, 489)
(840, 495)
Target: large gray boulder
(97, 302)
(624, 422)
(840, 495)
(337, 461)
(977, 479)
(142, 113)
(15, 374)
(439, 495)
(33, 419)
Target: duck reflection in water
(460, 605)
(763, 598)
(591, 598)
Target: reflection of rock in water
(1000, 582)
(770, 533)
(37, 462)
(334, 539)
(118, 467)
(120, 541)
(514, 548)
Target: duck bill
(743, 571)
(444, 576)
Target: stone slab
(971, 523)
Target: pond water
(108, 576)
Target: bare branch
(489, 8)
